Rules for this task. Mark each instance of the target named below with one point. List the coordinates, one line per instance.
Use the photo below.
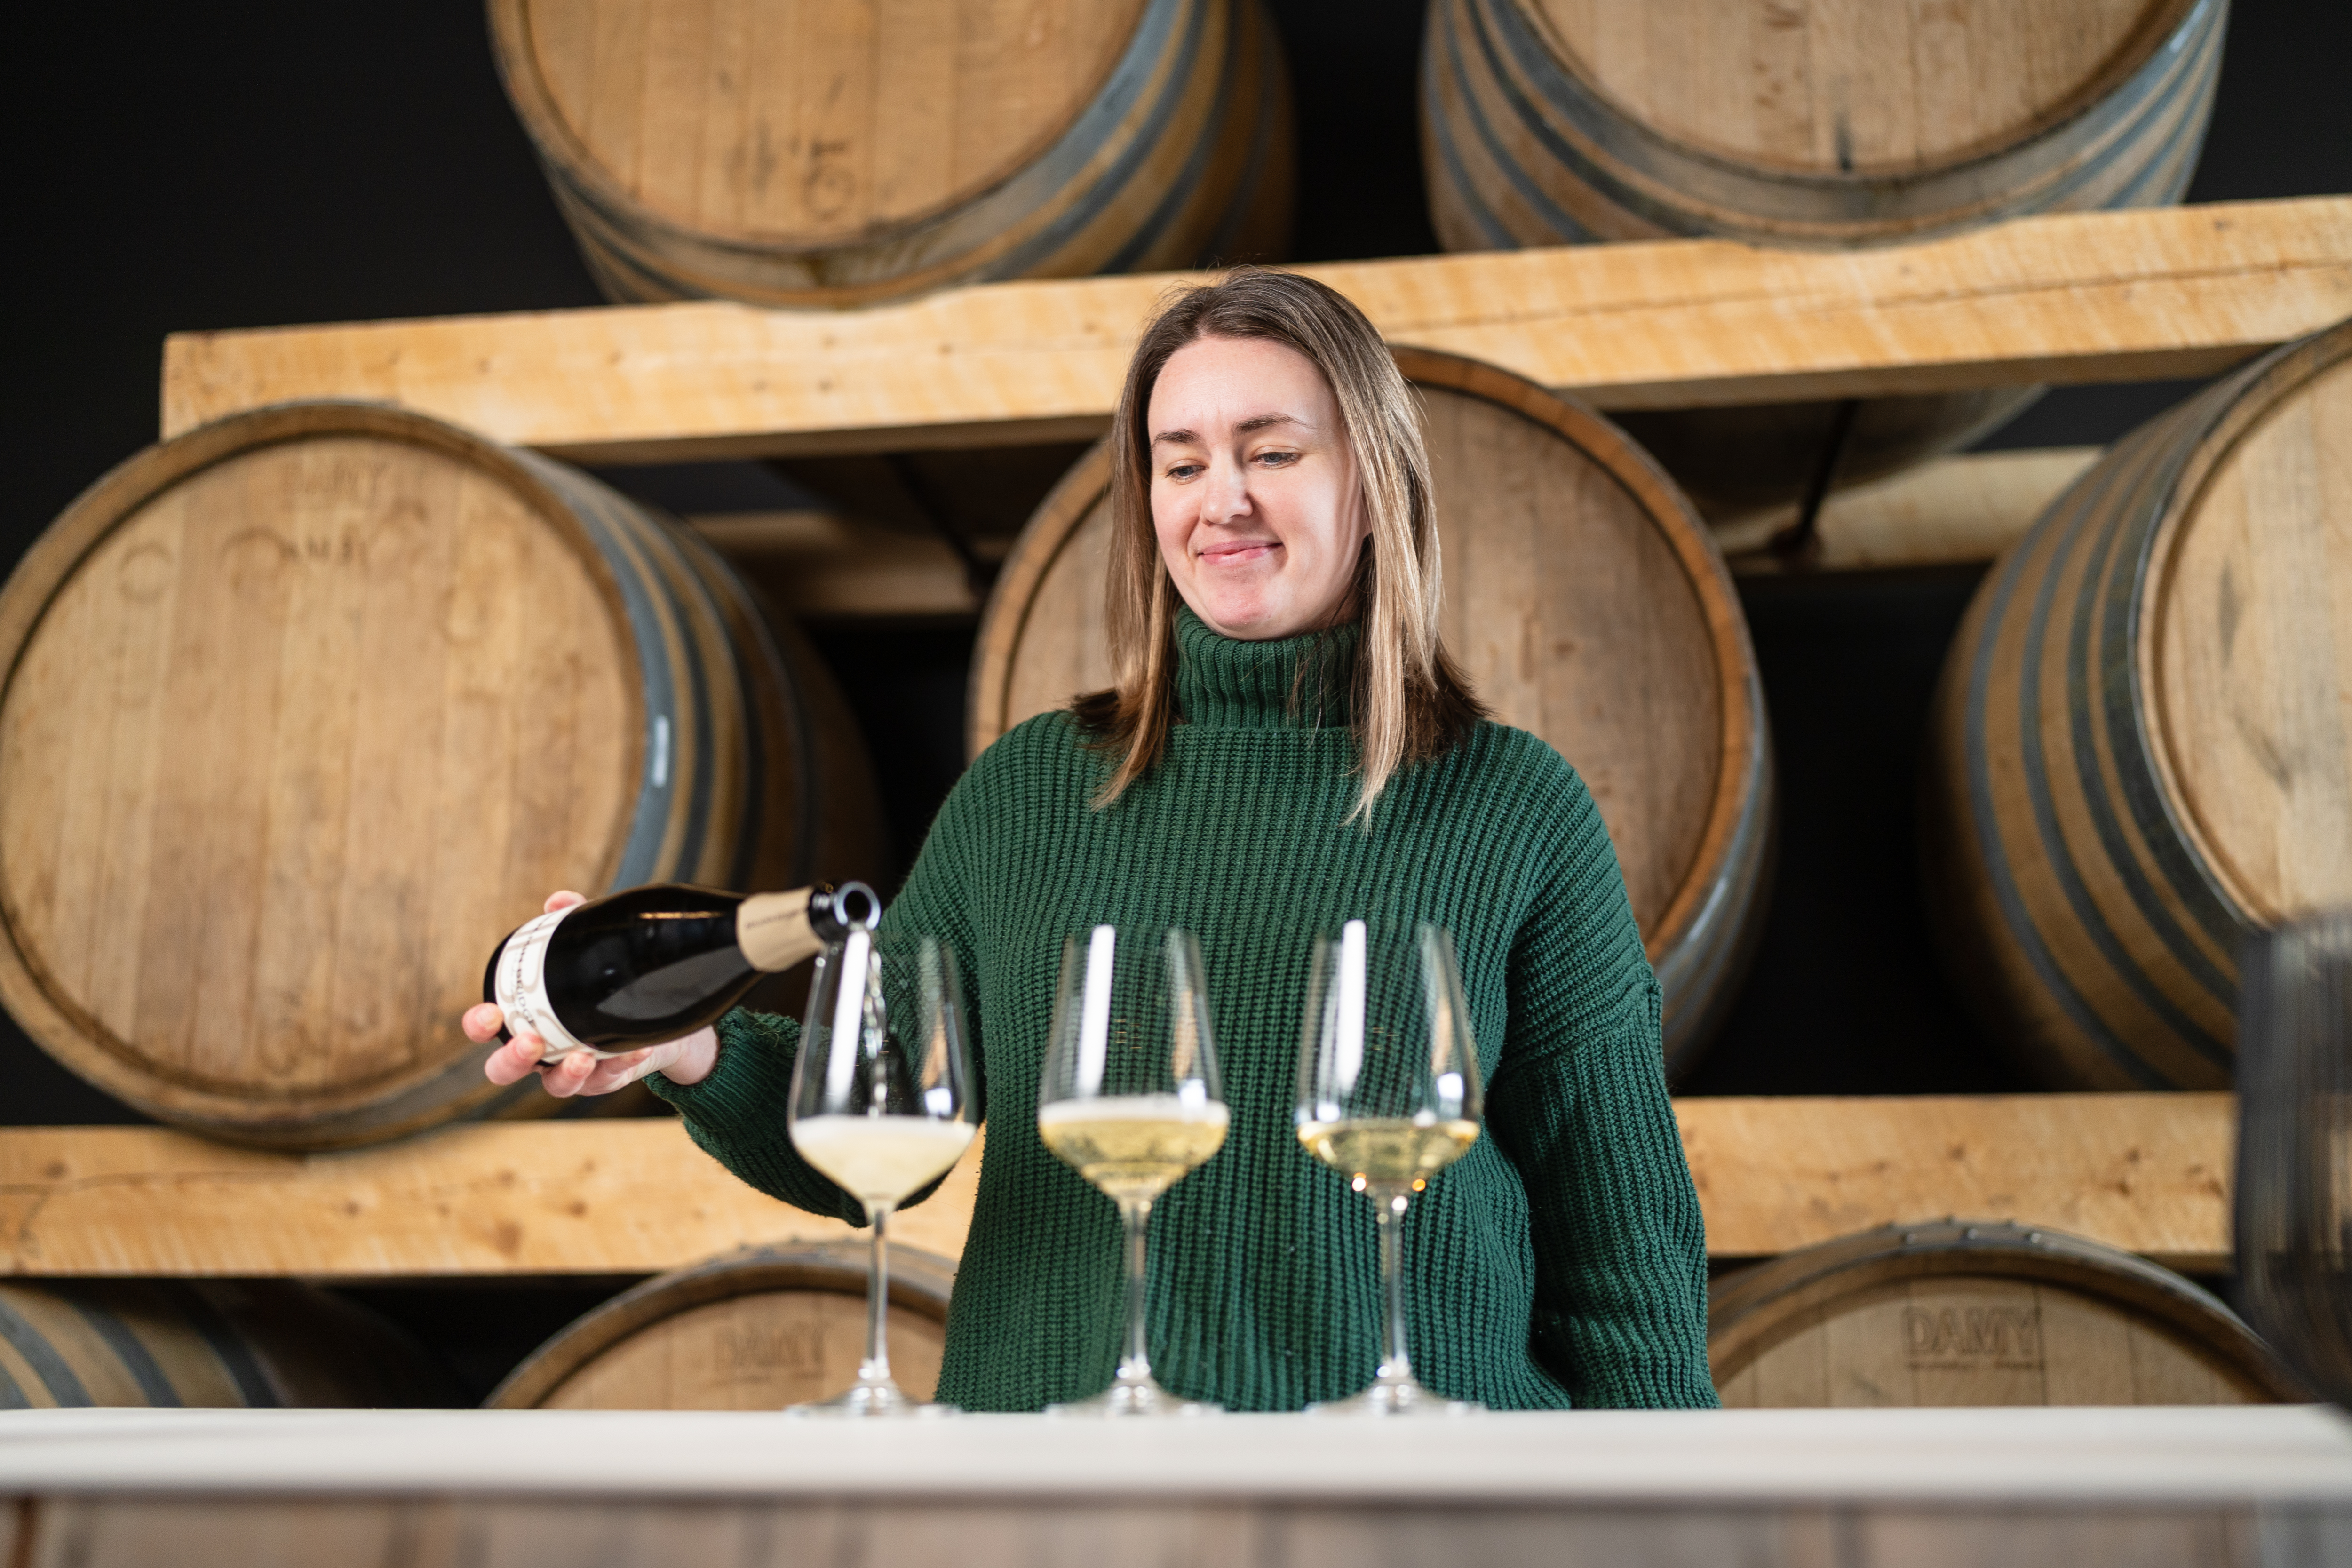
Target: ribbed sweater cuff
(742, 1102)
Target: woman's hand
(687, 1060)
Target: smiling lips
(1239, 553)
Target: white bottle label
(521, 988)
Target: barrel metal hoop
(1438, 128)
(29, 1343)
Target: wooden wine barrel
(305, 710)
(854, 152)
(1587, 603)
(1554, 121)
(165, 1342)
(758, 1330)
(1560, 122)
(1983, 1313)
(2140, 753)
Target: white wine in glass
(1129, 1098)
(1388, 1097)
(881, 1103)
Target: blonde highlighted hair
(1410, 702)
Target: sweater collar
(1296, 683)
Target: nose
(1225, 497)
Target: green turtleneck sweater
(1561, 1261)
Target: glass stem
(1389, 1206)
(1135, 1362)
(875, 1368)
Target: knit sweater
(1560, 1261)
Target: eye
(1278, 459)
(1180, 472)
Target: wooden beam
(2146, 1173)
(819, 565)
(2110, 296)
(529, 1197)
(2149, 1172)
(1951, 511)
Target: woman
(1288, 746)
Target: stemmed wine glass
(1129, 1096)
(2295, 1146)
(1388, 1097)
(881, 1102)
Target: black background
(196, 167)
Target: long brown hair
(1411, 702)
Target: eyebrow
(1256, 422)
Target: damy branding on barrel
(792, 1349)
(1967, 1339)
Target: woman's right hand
(686, 1060)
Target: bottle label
(522, 987)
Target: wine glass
(881, 1102)
(1388, 1097)
(1130, 1097)
(2295, 1146)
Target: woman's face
(1255, 498)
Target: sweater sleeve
(737, 1113)
(1578, 1104)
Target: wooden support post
(2107, 296)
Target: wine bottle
(636, 968)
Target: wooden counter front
(1859, 1489)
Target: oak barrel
(307, 708)
(856, 151)
(1561, 121)
(1978, 1313)
(1588, 604)
(757, 1330)
(2140, 753)
(168, 1342)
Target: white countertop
(2170, 1455)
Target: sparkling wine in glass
(881, 1103)
(1130, 1097)
(1388, 1097)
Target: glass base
(1133, 1397)
(871, 1401)
(1401, 1397)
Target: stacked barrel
(2140, 755)
(846, 154)
(1571, 122)
(305, 708)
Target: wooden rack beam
(1948, 511)
(2078, 296)
(2149, 1172)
